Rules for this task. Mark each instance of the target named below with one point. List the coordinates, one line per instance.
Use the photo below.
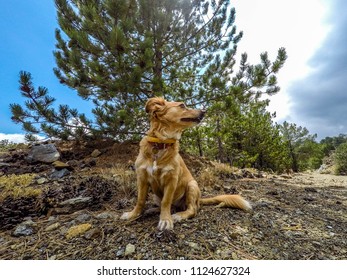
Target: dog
(160, 166)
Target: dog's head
(175, 114)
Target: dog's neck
(164, 133)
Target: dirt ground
(296, 216)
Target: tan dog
(160, 166)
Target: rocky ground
(67, 206)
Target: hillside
(70, 209)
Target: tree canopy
(118, 53)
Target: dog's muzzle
(197, 119)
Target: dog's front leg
(166, 222)
(142, 191)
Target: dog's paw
(129, 216)
(176, 217)
(165, 225)
(126, 216)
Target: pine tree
(340, 158)
(40, 116)
(301, 146)
(118, 53)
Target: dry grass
(18, 186)
(214, 175)
(224, 169)
(125, 177)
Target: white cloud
(16, 137)
(299, 26)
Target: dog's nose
(202, 114)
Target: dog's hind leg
(192, 202)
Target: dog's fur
(160, 166)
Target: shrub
(18, 186)
(341, 159)
(6, 145)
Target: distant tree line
(119, 53)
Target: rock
(58, 174)
(92, 233)
(83, 218)
(120, 253)
(47, 153)
(316, 244)
(52, 218)
(129, 249)
(225, 254)
(52, 227)
(226, 239)
(41, 181)
(77, 230)
(309, 198)
(17, 246)
(23, 230)
(133, 236)
(76, 202)
(95, 153)
(105, 215)
(59, 165)
(119, 239)
(262, 204)
(194, 245)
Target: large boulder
(46, 153)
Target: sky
(312, 81)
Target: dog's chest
(156, 171)
(152, 168)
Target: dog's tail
(228, 200)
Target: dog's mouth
(194, 120)
(197, 120)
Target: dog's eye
(183, 105)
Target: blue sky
(27, 43)
(312, 81)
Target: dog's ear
(154, 104)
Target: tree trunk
(158, 71)
(198, 140)
(220, 143)
(295, 160)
